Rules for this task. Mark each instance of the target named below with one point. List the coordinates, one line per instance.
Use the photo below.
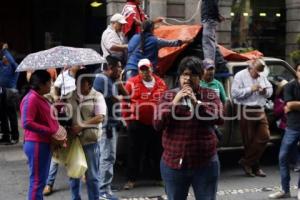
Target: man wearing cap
(208, 80)
(145, 91)
(113, 41)
(250, 90)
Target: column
(157, 8)
(224, 28)
(292, 26)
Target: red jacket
(130, 11)
(143, 101)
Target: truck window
(279, 71)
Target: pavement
(233, 185)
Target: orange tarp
(168, 55)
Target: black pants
(8, 115)
(143, 141)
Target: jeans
(52, 173)
(92, 155)
(209, 42)
(108, 148)
(204, 181)
(289, 141)
(130, 73)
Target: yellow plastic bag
(76, 162)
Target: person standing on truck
(210, 17)
(250, 90)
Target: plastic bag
(76, 162)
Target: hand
(137, 22)
(286, 109)
(187, 41)
(262, 91)
(190, 94)
(4, 46)
(75, 129)
(255, 88)
(221, 18)
(159, 19)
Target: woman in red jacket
(145, 91)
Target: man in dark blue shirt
(8, 96)
(291, 136)
(109, 84)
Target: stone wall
(292, 25)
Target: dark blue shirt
(292, 93)
(106, 86)
(8, 76)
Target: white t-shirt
(65, 82)
(149, 84)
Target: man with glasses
(250, 90)
(187, 115)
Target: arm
(118, 47)
(223, 95)
(29, 111)
(163, 115)
(10, 59)
(168, 43)
(293, 105)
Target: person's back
(209, 10)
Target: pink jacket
(36, 119)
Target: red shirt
(189, 143)
(143, 101)
(130, 11)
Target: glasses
(188, 75)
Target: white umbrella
(58, 57)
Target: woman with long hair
(146, 45)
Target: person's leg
(75, 187)
(107, 159)
(135, 144)
(52, 173)
(92, 154)
(177, 182)
(12, 104)
(209, 39)
(289, 140)
(155, 151)
(39, 157)
(205, 180)
(4, 118)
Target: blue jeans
(52, 173)
(209, 42)
(92, 155)
(289, 141)
(108, 148)
(204, 181)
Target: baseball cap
(118, 18)
(208, 63)
(144, 63)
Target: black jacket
(210, 10)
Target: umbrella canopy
(58, 57)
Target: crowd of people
(177, 129)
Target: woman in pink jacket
(39, 127)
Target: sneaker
(129, 185)
(280, 195)
(107, 196)
(47, 190)
(298, 194)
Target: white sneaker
(298, 194)
(280, 195)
